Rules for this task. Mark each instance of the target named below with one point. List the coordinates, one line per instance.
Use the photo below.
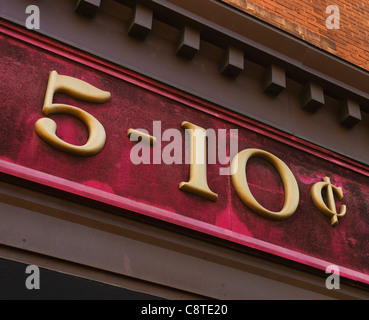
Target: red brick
(306, 19)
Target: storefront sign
(198, 185)
(81, 126)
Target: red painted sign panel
(152, 188)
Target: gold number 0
(46, 127)
(290, 185)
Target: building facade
(184, 149)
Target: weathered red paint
(152, 190)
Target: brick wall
(307, 19)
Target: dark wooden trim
(232, 268)
(141, 22)
(266, 45)
(233, 62)
(87, 8)
(274, 80)
(189, 43)
(312, 97)
(350, 114)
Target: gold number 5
(46, 127)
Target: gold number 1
(198, 183)
(46, 127)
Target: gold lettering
(239, 181)
(137, 135)
(46, 127)
(330, 209)
(197, 184)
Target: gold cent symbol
(329, 209)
